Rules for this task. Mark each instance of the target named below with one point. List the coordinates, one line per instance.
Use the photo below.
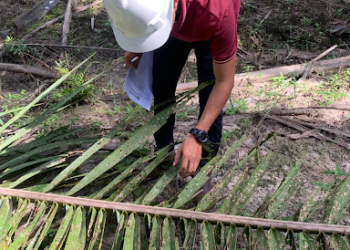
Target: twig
(342, 106)
(307, 72)
(334, 131)
(267, 15)
(25, 65)
(36, 92)
(26, 69)
(309, 68)
(290, 112)
(297, 126)
(39, 61)
(2, 74)
(323, 54)
(300, 111)
(53, 21)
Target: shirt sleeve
(223, 43)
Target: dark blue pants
(167, 67)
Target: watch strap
(200, 135)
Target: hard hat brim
(144, 43)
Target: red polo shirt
(210, 20)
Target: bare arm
(224, 82)
(190, 150)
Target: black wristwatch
(200, 135)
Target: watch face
(202, 136)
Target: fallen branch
(78, 9)
(240, 221)
(66, 22)
(309, 69)
(73, 47)
(39, 61)
(323, 54)
(35, 14)
(304, 135)
(266, 74)
(53, 21)
(315, 126)
(289, 112)
(306, 110)
(26, 69)
(295, 125)
(36, 93)
(342, 106)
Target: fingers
(132, 58)
(127, 56)
(177, 156)
(184, 167)
(191, 154)
(191, 167)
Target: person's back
(209, 20)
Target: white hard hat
(140, 25)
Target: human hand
(128, 56)
(191, 152)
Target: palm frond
(74, 214)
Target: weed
(49, 124)
(237, 106)
(248, 6)
(133, 113)
(13, 49)
(325, 186)
(183, 115)
(305, 21)
(337, 13)
(229, 134)
(318, 27)
(331, 96)
(246, 122)
(337, 180)
(98, 31)
(185, 112)
(21, 95)
(248, 68)
(107, 24)
(74, 81)
(116, 110)
(132, 110)
(97, 126)
(282, 81)
(73, 120)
